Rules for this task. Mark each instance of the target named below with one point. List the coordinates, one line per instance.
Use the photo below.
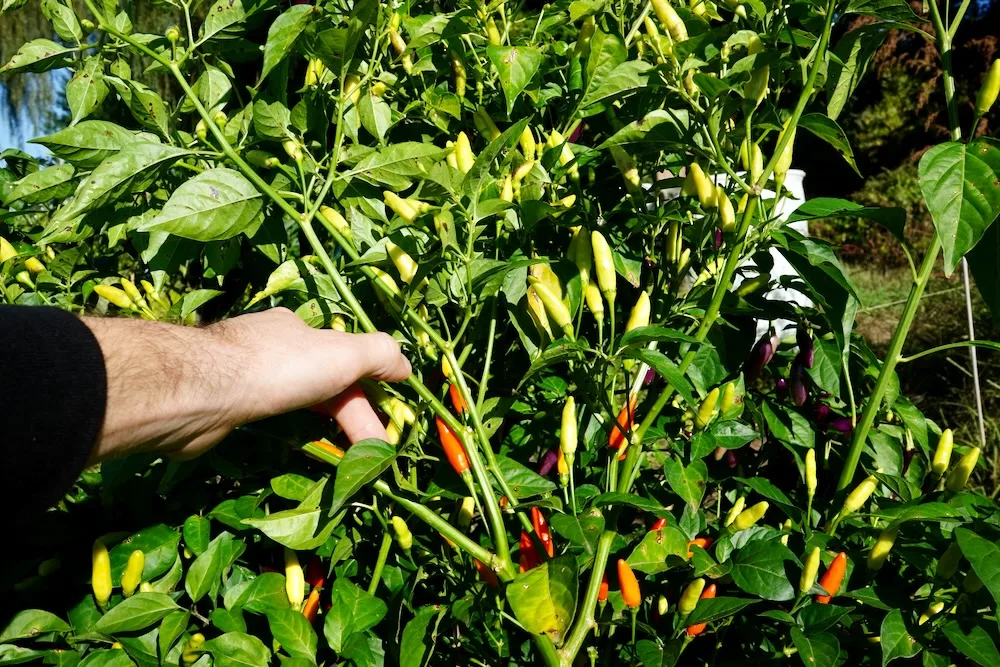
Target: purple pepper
(822, 414)
(732, 460)
(654, 269)
(576, 134)
(759, 357)
(650, 377)
(842, 424)
(797, 383)
(718, 238)
(781, 389)
(907, 457)
(548, 463)
(807, 351)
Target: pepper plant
(611, 447)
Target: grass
(940, 384)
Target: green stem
(383, 554)
(950, 346)
(585, 616)
(893, 354)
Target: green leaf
(135, 613)
(214, 205)
(376, 116)
(582, 530)
(30, 622)
(87, 89)
(666, 369)
(653, 655)
(222, 15)
(474, 181)
(961, 186)
(544, 599)
(759, 569)
(132, 168)
(629, 500)
(821, 617)
(159, 543)
(294, 632)
(650, 555)
(63, 20)
(236, 649)
(788, 425)
(849, 62)
(827, 129)
(283, 33)
(362, 463)
(816, 650)
(265, 593)
(290, 485)
(716, 608)
(986, 269)
(516, 66)
(972, 641)
(984, 556)
(354, 610)
(523, 481)
(55, 182)
(648, 334)
(206, 569)
(688, 482)
(102, 658)
(38, 55)
(197, 533)
(413, 647)
(889, 10)
(172, 627)
(88, 143)
(825, 371)
(896, 641)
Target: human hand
(180, 390)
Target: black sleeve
(53, 392)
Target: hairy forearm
(168, 386)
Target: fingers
(377, 356)
(356, 416)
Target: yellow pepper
(750, 516)
(880, 550)
(132, 575)
(295, 583)
(100, 574)
(604, 265)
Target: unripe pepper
(132, 575)
(707, 410)
(566, 156)
(727, 215)
(604, 266)
(625, 419)
(190, 653)
(452, 447)
(602, 590)
(629, 585)
(690, 596)
(404, 264)
(34, 265)
(751, 515)
(735, 511)
(6, 250)
(662, 605)
(933, 610)
(173, 34)
(201, 131)
(832, 578)
(554, 306)
(959, 476)
(702, 185)
(670, 20)
(295, 581)
(466, 512)
(860, 495)
(756, 88)
(639, 316)
(626, 165)
(582, 254)
(989, 91)
(100, 574)
(132, 291)
(492, 32)
(528, 144)
(809, 570)
(338, 222)
(972, 583)
(145, 587)
(698, 628)
(403, 535)
(568, 437)
(949, 562)
(407, 209)
(542, 530)
(784, 162)
(583, 37)
(942, 453)
(527, 554)
(537, 311)
(451, 159)
(730, 404)
(811, 472)
(880, 550)
(311, 607)
(594, 301)
(220, 118)
(386, 280)
(507, 189)
(463, 153)
(752, 159)
(485, 124)
(458, 69)
(292, 149)
(563, 468)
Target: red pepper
(625, 419)
(602, 592)
(703, 542)
(315, 573)
(528, 556)
(542, 530)
(456, 399)
(660, 524)
(487, 575)
(452, 447)
(698, 628)
(311, 607)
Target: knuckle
(385, 346)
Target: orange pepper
(629, 585)
(311, 607)
(625, 419)
(832, 578)
(452, 447)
